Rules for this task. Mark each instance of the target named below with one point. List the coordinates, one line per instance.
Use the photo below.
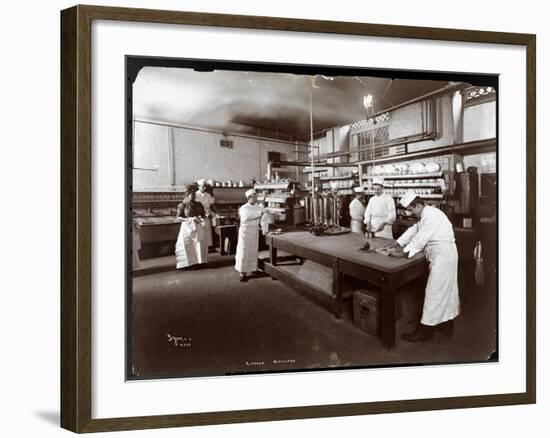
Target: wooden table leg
(337, 289)
(387, 318)
(272, 254)
(222, 251)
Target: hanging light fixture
(368, 104)
(367, 101)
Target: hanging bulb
(367, 101)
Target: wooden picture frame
(76, 218)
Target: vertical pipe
(372, 138)
(171, 158)
(424, 108)
(297, 158)
(333, 146)
(311, 147)
(259, 155)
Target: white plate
(433, 167)
(389, 169)
(402, 168)
(418, 168)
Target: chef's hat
(358, 190)
(201, 182)
(249, 193)
(378, 180)
(408, 198)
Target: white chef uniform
(246, 258)
(357, 213)
(434, 234)
(381, 208)
(206, 200)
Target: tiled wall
(485, 163)
(444, 126)
(480, 121)
(151, 150)
(197, 154)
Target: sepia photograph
(297, 218)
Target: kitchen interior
(305, 144)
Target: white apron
(356, 226)
(357, 213)
(191, 247)
(206, 200)
(387, 232)
(246, 258)
(441, 302)
(381, 209)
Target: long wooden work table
(342, 254)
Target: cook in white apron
(207, 202)
(250, 214)
(357, 211)
(434, 234)
(191, 248)
(380, 212)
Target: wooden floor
(229, 325)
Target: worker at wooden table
(380, 212)
(250, 214)
(434, 234)
(357, 210)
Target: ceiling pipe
(479, 146)
(308, 164)
(473, 147)
(407, 140)
(449, 88)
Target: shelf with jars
(272, 185)
(279, 197)
(406, 176)
(338, 183)
(400, 193)
(430, 186)
(341, 177)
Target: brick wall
(197, 154)
(444, 127)
(480, 121)
(151, 150)
(485, 163)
